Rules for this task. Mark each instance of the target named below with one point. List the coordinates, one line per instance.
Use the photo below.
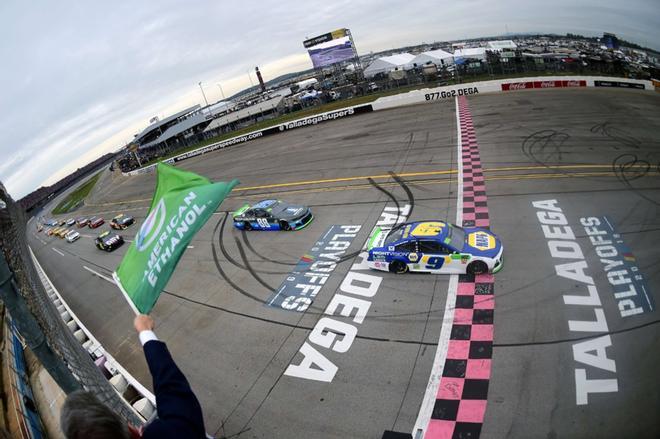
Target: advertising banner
(619, 84)
(543, 84)
(330, 48)
(339, 33)
(182, 203)
(332, 52)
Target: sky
(79, 79)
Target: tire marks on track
(249, 246)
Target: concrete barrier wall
(417, 97)
(501, 85)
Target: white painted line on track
(96, 273)
(57, 251)
(426, 409)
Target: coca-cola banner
(517, 85)
(543, 84)
(573, 83)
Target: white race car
(72, 236)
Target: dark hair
(84, 417)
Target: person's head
(84, 417)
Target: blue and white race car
(435, 247)
(272, 215)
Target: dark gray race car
(272, 215)
(108, 241)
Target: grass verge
(76, 197)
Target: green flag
(182, 204)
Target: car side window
(259, 213)
(248, 212)
(406, 247)
(431, 247)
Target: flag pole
(123, 291)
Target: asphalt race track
(595, 153)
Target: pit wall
(418, 97)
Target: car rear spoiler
(241, 210)
(375, 236)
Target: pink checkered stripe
(462, 395)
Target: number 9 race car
(435, 247)
(272, 215)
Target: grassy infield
(76, 197)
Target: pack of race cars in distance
(95, 222)
(435, 247)
(107, 241)
(121, 222)
(272, 215)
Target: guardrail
(141, 401)
(417, 97)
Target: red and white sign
(574, 83)
(547, 84)
(517, 86)
(543, 84)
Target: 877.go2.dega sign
(451, 93)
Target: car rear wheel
(477, 267)
(247, 225)
(398, 267)
(284, 225)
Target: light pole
(248, 73)
(203, 94)
(221, 91)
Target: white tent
(438, 57)
(388, 63)
(501, 45)
(473, 53)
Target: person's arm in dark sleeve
(179, 411)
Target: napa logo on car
(151, 227)
(481, 240)
(432, 228)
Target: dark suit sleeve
(179, 412)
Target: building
(179, 129)
(501, 45)
(438, 57)
(470, 53)
(386, 64)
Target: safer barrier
(502, 85)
